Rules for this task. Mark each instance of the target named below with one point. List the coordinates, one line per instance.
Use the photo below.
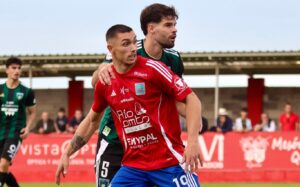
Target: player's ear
(109, 47)
(150, 27)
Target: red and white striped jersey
(144, 111)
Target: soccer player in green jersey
(15, 101)
(158, 23)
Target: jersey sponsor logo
(113, 93)
(19, 95)
(140, 88)
(9, 109)
(127, 100)
(137, 128)
(106, 131)
(139, 74)
(131, 118)
(124, 90)
(140, 141)
(139, 110)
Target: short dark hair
(61, 109)
(116, 29)
(244, 109)
(13, 60)
(154, 13)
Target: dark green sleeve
(30, 99)
(181, 67)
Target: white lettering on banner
(288, 145)
(54, 149)
(218, 140)
(295, 158)
(217, 146)
(254, 149)
(285, 145)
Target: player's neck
(122, 68)
(11, 83)
(153, 49)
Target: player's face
(165, 32)
(123, 48)
(13, 71)
(288, 109)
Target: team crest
(140, 88)
(180, 85)
(20, 95)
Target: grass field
(203, 185)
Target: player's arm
(193, 112)
(173, 85)
(82, 135)
(104, 73)
(181, 108)
(30, 118)
(179, 105)
(84, 131)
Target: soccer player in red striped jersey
(142, 99)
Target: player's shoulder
(172, 52)
(23, 87)
(153, 64)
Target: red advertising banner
(38, 157)
(226, 157)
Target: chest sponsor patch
(140, 88)
(106, 131)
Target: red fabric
(255, 94)
(143, 106)
(75, 97)
(288, 123)
(236, 157)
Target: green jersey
(13, 104)
(169, 57)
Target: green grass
(203, 185)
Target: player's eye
(125, 44)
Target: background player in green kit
(16, 101)
(158, 23)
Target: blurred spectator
(288, 120)
(75, 121)
(204, 125)
(266, 124)
(223, 122)
(243, 123)
(45, 125)
(61, 121)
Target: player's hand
(191, 157)
(105, 73)
(24, 133)
(62, 168)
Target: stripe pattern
(102, 148)
(160, 69)
(171, 51)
